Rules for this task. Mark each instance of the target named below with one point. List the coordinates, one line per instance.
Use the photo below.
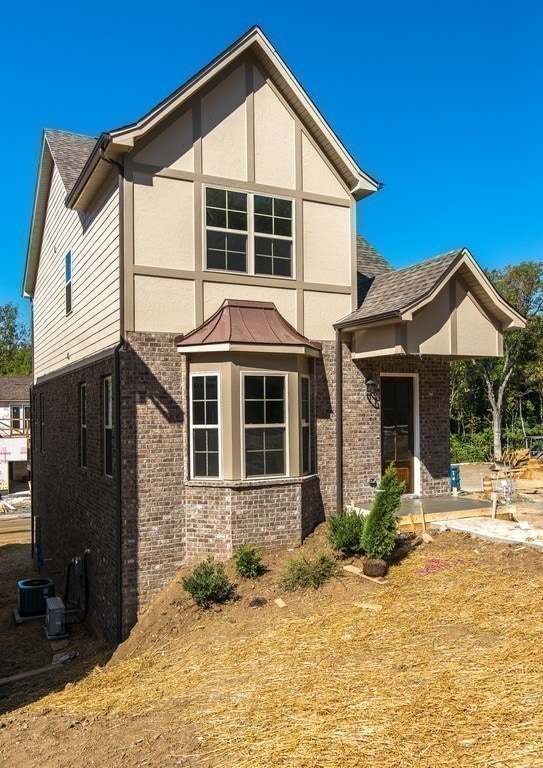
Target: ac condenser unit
(55, 627)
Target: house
(14, 430)
(218, 357)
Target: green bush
(380, 531)
(474, 447)
(247, 561)
(208, 583)
(345, 532)
(303, 572)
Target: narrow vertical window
(264, 425)
(107, 438)
(68, 281)
(15, 418)
(305, 413)
(205, 425)
(83, 426)
(42, 422)
(27, 417)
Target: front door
(397, 427)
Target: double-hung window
(68, 281)
(264, 416)
(107, 425)
(205, 425)
(249, 233)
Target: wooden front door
(397, 427)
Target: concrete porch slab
(500, 531)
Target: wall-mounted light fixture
(371, 387)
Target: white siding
(94, 323)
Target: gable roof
(397, 294)
(119, 141)
(238, 322)
(15, 389)
(370, 262)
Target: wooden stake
(494, 503)
(422, 519)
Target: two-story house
(218, 357)
(14, 431)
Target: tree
(15, 354)
(522, 286)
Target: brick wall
(76, 507)
(153, 377)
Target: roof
(396, 294)
(115, 143)
(70, 152)
(239, 322)
(369, 264)
(15, 389)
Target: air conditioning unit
(32, 595)
(55, 612)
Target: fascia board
(41, 196)
(278, 349)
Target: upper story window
(68, 281)
(249, 233)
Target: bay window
(264, 424)
(205, 452)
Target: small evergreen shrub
(380, 530)
(208, 583)
(345, 532)
(247, 562)
(304, 572)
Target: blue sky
(441, 101)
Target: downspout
(117, 391)
(339, 425)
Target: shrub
(471, 447)
(380, 531)
(303, 572)
(345, 532)
(208, 583)
(247, 562)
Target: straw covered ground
(441, 667)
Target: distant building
(14, 430)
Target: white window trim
(243, 472)
(192, 426)
(250, 234)
(416, 427)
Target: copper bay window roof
(238, 324)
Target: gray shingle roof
(70, 152)
(15, 389)
(369, 264)
(393, 291)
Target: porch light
(371, 387)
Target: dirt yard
(440, 667)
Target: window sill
(256, 483)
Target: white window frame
(285, 424)
(194, 426)
(107, 422)
(307, 425)
(68, 270)
(250, 232)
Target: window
(83, 426)
(305, 420)
(205, 425)
(107, 444)
(68, 281)
(16, 417)
(20, 419)
(264, 425)
(42, 422)
(248, 233)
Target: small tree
(380, 531)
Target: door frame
(416, 426)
